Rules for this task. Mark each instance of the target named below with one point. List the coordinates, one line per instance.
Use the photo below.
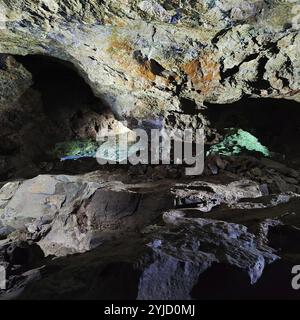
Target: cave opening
(274, 122)
(66, 97)
(58, 106)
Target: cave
(275, 122)
(58, 107)
(65, 96)
(73, 228)
(64, 110)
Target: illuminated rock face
(237, 141)
(148, 230)
(144, 57)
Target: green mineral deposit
(75, 149)
(237, 141)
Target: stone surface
(205, 196)
(143, 240)
(173, 261)
(42, 110)
(15, 80)
(69, 69)
(143, 57)
(72, 214)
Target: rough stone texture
(39, 109)
(203, 230)
(68, 214)
(15, 80)
(144, 57)
(170, 261)
(200, 243)
(143, 236)
(74, 214)
(205, 195)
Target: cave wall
(144, 57)
(44, 102)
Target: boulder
(71, 214)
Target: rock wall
(147, 58)
(146, 232)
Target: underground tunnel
(275, 122)
(72, 229)
(58, 109)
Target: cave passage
(59, 106)
(66, 97)
(275, 122)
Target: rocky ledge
(100, 236)
(137, 54)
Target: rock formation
(75, 230)
(137, 54)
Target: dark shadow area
(118, 281)
(222, 282)
(275, 122)
(109, 272)
(59, 106)
(285, 238)
(66, 97)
